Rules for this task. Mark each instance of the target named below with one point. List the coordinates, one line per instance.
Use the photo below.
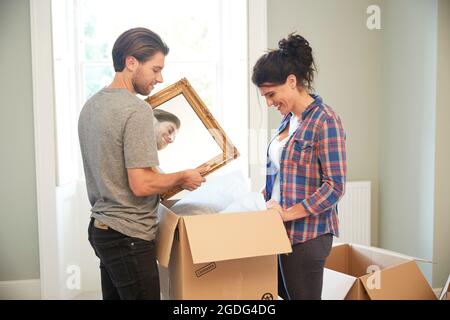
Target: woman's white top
(275, 150)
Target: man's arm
(146, 181)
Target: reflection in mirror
(187, 134)
(188, 146)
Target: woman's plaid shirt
(312, 171)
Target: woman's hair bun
(293, 57)
(294, 45)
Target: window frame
(69, 162)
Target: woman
(306, 165)
(166, 126)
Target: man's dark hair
(140, 43)
(164, 116)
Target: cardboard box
(220, 256)
(356, 272)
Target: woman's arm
(332, 157)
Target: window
(208, 46)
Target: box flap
(338, 259)
(365, 259)
(168, 222)
(401, 282)
(336, 285)
(445, 290)
(218, 237)
(391, 253)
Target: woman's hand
(272, 204)
(295, 212)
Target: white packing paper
(224, 193)
(252, 201)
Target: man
(166, 126)
(119, 153)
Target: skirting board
(20, 290)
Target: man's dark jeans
(127, 265)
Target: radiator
(354, 214)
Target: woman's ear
(291, 81)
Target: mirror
(187, 134)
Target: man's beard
(139, 87)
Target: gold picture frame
(177, 98)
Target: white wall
(19, 247)
(347, 54)
(76, 256)
(441, 251)
(407, 145)
(19, 250)
(390, 87)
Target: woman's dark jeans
(127, 265)
(302, 270)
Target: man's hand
(192, 178)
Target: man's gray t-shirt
(116, 132)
